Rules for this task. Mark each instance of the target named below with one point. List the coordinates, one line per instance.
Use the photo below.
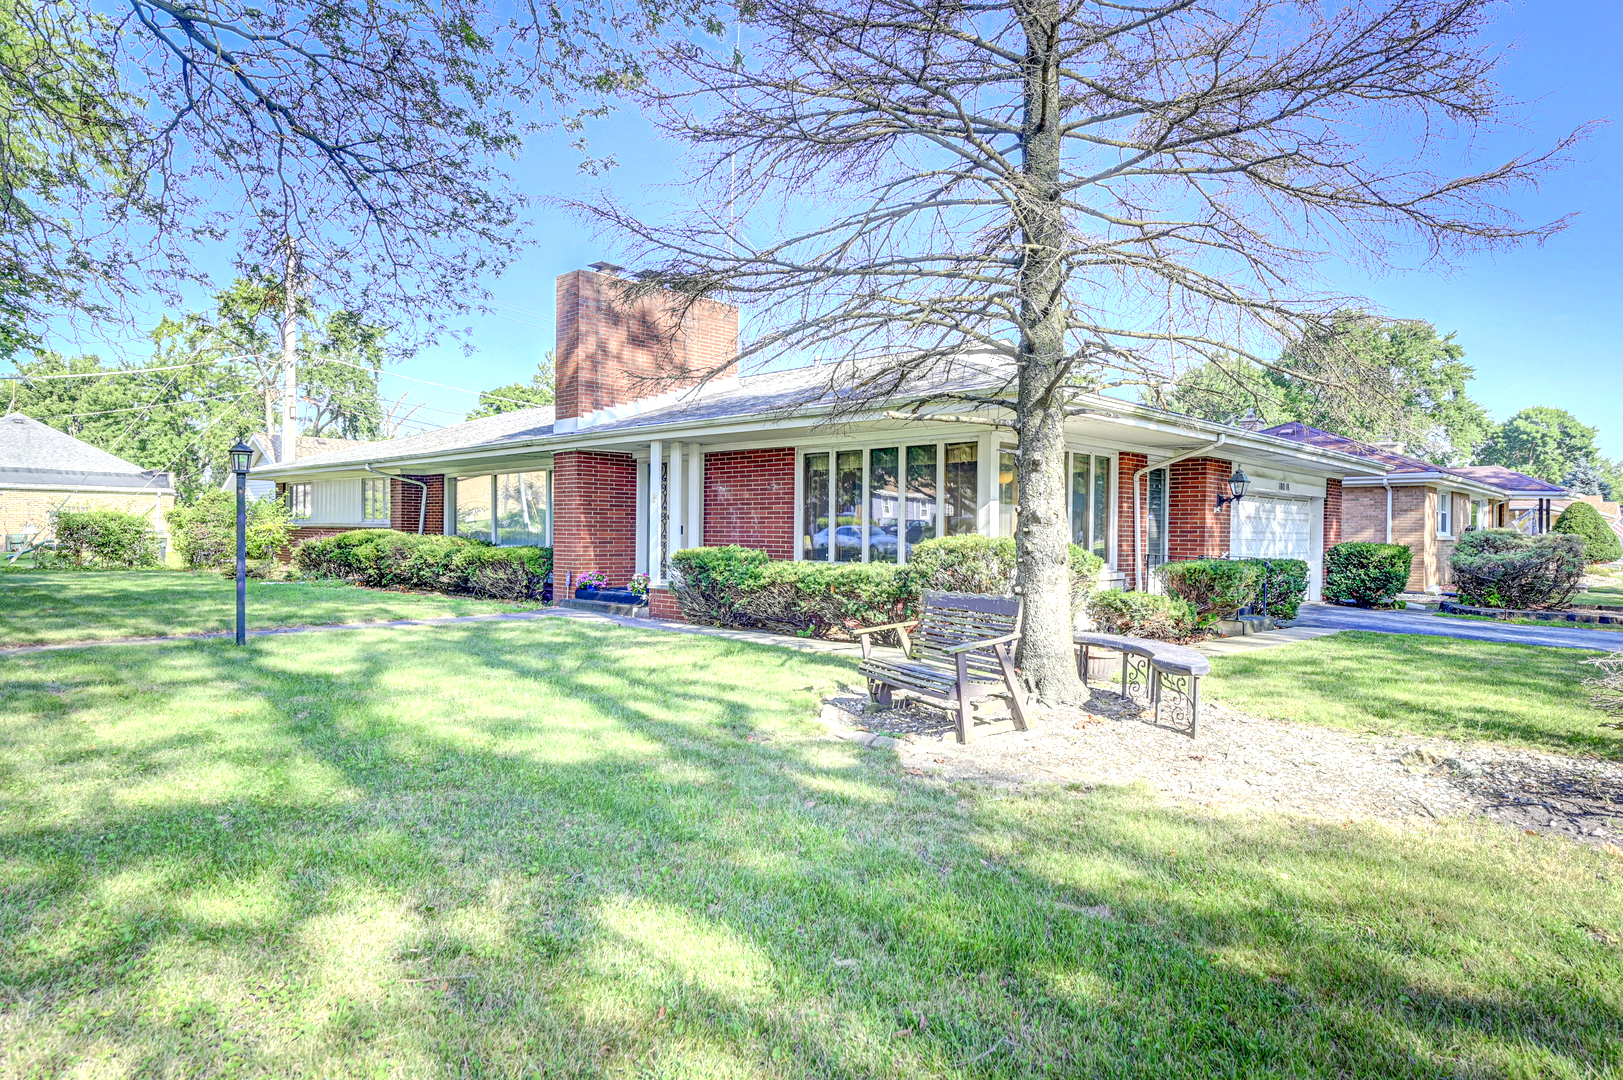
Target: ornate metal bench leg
(1155, 691)
(1123, 674)
(1194, 706)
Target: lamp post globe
(1238, 483)
(241, 455)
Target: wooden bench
(1162, 662)
(957, 654)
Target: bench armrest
(887, 626)
(983, 643)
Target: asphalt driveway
(1332, 616)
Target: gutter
(1141, 557)
(422, 501)
(1386, 482)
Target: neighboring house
(267, 448)
(43, 470)
(1420, 504)
(627, 468)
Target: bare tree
(1088, 191)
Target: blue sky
(1539, 323)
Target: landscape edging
(1450, 607)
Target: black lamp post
(240, 456)
(1238, 483)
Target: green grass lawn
(46, 607)
(564, 849)
(1601, 594)
(1525, 695)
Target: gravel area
(1245, 763)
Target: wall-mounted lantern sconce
(1238, 483)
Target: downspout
(422, 501)
(1140, 556)
(1386, 482)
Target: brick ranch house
(43, 470)
(1427, 506)
(624, 470)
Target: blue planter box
(611, 596)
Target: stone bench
(1161, 661)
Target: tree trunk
(1042, 541)
(290, 355)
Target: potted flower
(639, 585)
(587, 585)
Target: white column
(656, 505)
(695, 496)
(673, 530)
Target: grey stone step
(604, 607)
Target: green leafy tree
(1587, 478)
(1360, 376)
(540, 390)
(1541, 441)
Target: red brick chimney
(615, 348)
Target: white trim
(656, 507)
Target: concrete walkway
(1335, 617)
(1267, 639)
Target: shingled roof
(1507, 480)
(38, 455)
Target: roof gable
(25, 443)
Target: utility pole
(290, 354)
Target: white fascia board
(1427, 479)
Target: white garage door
(1273, 529)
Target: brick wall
(1196, 529)
(21, 509)
(404, 499)
(749, 499)
(1363, 514)
(1414, 523)
(1332, 513)
(1127, 537)
(662, 605)
(613, 348)
(595, 517)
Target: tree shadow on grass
(619, 879)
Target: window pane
(521, 508)
(298, 501)
(375, 500)
(960, 487)
(921, 489)
(1008, 494)
(473, 507)
(1101, 507)
(884, 503)
(814, 540)
(848, 497)
(1079, 499)
(1156, 519)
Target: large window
(298, 501)
(1008, 493)
(876, 505)
(522, 507)
(375, 499)
(1090, 503)
(508, 509)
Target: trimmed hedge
(1147, 615)
(741, 587)
(204, 531)
(383, 558)
(1366, 574)
(1503, 568)
(1286, 581)
(1216, 588)
(104, 539)
(1601, 544)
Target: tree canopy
(540, 390)
(1362, 376)
(1540, 441)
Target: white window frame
(900, 445)
(383, 482)
(1445, 514)
(300, 500)
(1092, 454)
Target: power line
(136, 408)
(134, 371)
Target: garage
(1267, 528)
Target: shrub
(1216, 588)
(1286, 586)
(1601, 544)
(204, 531)
(1608, 685)
(1366, 574)
(980, 564)
(737, 586)
(383, 558)
(105, 538)
(1504, 568)
(1147, 615)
